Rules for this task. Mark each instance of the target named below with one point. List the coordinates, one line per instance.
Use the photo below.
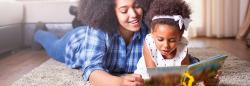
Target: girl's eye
(160, 39)
(172, 40)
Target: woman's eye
(123, 10)
(137, 6)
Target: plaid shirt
(90, 49)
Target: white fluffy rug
(236, 72)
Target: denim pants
(54, 46)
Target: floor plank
(17, 64)
(235, 47)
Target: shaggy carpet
(236, 72)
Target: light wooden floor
(15, 65)
(236, 47)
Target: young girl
(165, 45)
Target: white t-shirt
(158, 58)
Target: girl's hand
(211, 81)
(132, 80)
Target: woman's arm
(101, 78)
(148, 57)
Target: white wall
(11, 12)
(48, 11)
(11, 19)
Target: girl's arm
(185, 61)
(148, 57)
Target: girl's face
(166, 38)
(129, 14)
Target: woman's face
(166, 38)
(129, 14)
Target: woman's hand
(132, 80)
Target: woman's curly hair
(145, 4)
(167, 7)
(98, 14)
(101, 13)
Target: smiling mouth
(134, 22)
(167, 52)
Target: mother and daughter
(110, 44)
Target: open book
(172, 76)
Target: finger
(138, 79)
(218, 74)
(211, 82)
(129, 83)
(137, 75)
(135, 83)
(200, 84)
(130, 78)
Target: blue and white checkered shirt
(90, 49)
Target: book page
(174, 75)
(207, 68)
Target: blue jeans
(54, 46)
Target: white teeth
(134, 21)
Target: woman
(108, 47)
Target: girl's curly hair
(167, 7)
(101, 13)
